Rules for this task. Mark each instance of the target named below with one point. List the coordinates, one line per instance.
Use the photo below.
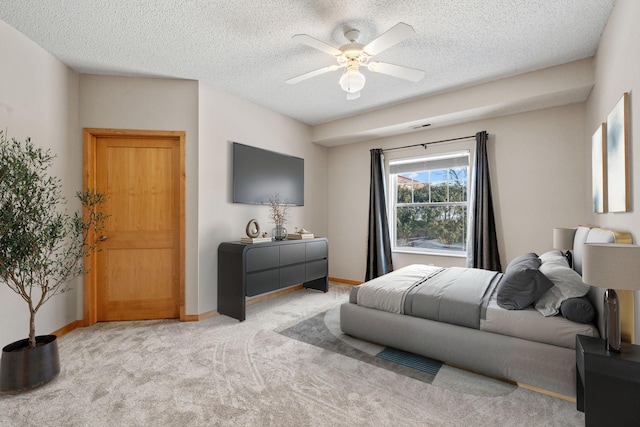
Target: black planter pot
(22, 369)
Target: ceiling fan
(353, 55)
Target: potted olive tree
(41, 250)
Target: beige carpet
(219, 372)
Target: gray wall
(537, 162)
(224, 118)
(39, 99)
(617, 64)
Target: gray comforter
(453, 295)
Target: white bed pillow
(567, 283)
(555, 257)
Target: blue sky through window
(434, 176)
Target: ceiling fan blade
(313, 73)
(315, 43)
(396, 71)
(392, 36)
(353, 95)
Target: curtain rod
(424, 144)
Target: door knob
(102, 238)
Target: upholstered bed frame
(542, 367)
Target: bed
(511, 326)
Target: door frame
(89, 181)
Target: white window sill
(430, 253)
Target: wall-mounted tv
(259, 174)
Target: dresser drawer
(291, 254)
(262, 258)
(261, 282)
(292, 275)
(316, 269)
(316, 250)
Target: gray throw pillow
(522, 283)
(578, 310)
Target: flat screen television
(259, 174)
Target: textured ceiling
(245, 47)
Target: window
(429, 204)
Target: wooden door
(139, 270)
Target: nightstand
(607, 383)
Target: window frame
(393, 204)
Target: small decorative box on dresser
(607, 383)
(246, 270)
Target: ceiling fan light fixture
(354, 55)
(352, 80)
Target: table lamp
(563, 240)
(612, 266)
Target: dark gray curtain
(482, 243)
(379, 244)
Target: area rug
(323, 330)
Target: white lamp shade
(610, 265)
(563, 238)
(352, 80)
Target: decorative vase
(22, 368)
(279, 233)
